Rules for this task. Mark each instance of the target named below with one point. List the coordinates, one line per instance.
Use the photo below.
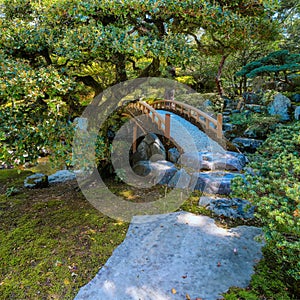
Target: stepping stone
(36, 181)
(61, 176)
(232, 208)
(180, 180)
(224, 161)
(213, 182)
(166, 257)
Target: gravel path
(190, 137)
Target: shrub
(275, 190)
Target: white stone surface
(61, 176)
(179, 251)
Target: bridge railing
(162, 123)
(208, 122)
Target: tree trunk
(218, 77)
(152, 70)
(121, 74)
(91, 82)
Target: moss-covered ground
(53, 241)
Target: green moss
(15, 175)
(52, 245)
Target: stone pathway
(176, 256)
(181, 255)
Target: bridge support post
(134, 138)
(167, 125)
(220, 126)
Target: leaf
(173, 291)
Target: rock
(213, 182)
(228, 160)
(280, 106)
(296, 98)
(228, 127)
(61, 176)
(233, 208)
(254, 108)
(247, 144)
(36, 181)
(159, 172)
(227, 113)
(207, 104)
(251, 98)
(81, 123)
(180, 251)
(229, 103)
(142, 168)
(180, 180)
(297, 113)
(173, 155)
(151, 148)
(163, 171)
(235, 111)
(250, 133)
(226, 119)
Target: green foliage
(27, 131)
(20, 82)
(275, 63)
(11, 191)
(258, 123)
(82, 37)
(275, 191)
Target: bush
(260, 124)
(28, 131)
(276, 193)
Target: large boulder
(159, 172)
(151, 148)
(213, 182)
(227, 160)
(280, 106)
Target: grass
(53, 241)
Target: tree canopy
(101, 43)
(281, 64)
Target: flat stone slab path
(174, 256)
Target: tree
(279, 65)
(51, 47)
(83, 38)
